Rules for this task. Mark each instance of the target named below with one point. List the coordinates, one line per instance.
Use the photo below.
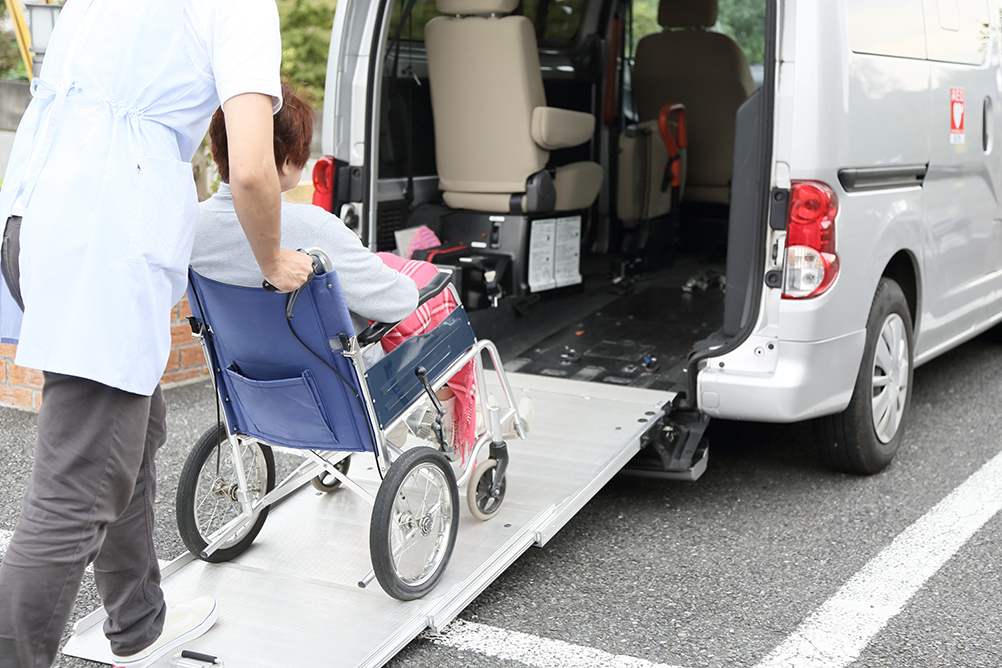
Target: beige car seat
(709, 74)
(493, 130)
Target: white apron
(100, 174)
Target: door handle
(987, 123)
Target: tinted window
(887, 27)
(554, 20)
(741, 20)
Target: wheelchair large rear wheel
(207, 493)
(414, 523)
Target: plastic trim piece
(855, 179)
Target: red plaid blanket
(424, 319)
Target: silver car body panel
(837, 109)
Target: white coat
(100, 174)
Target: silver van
(772, 209)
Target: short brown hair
(293, 133)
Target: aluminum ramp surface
(292, 599)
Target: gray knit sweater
(371, 289)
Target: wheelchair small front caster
(325, 482)
(483, 501)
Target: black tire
(853, 441)
(325, 482)
(206, 497)
(405, 517)
(482, 505)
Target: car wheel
(864, 438)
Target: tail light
(811, 262)
(323, 183)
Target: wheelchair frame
(485, 492)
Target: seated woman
(372, 290)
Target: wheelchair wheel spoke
(414, 523)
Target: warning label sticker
(957, 115)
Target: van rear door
(358, 29)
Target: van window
(556, 21)
(741, 20)
(887, 27)
(958, 33)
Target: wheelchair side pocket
(285, 412)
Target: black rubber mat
(640, 339)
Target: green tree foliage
(741, 20)
(9, 55)
(306, 36)
(645, 19)
(744, 22)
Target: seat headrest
(466, 7)
(687, 13)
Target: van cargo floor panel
(638, 340)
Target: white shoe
(183, 622)
(420, 422)
(526, 411)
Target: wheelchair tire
(414, 523)
(206, 493)
(482, 505)
(325, 482)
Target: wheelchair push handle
(432, 289)
(321, 264)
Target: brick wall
(22, 388)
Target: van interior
(588, 247)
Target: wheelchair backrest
(288, 391)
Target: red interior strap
(438, 251)
(671, 143)
(611, 63)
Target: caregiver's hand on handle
(294, 269)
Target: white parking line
(531, 650)
(841, 628)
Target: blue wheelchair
(289, 372)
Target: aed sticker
(957, 115)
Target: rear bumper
(809, 380)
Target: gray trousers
(89, 500)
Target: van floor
(632, 333)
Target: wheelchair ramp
(292, 598)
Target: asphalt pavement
(713, 573)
